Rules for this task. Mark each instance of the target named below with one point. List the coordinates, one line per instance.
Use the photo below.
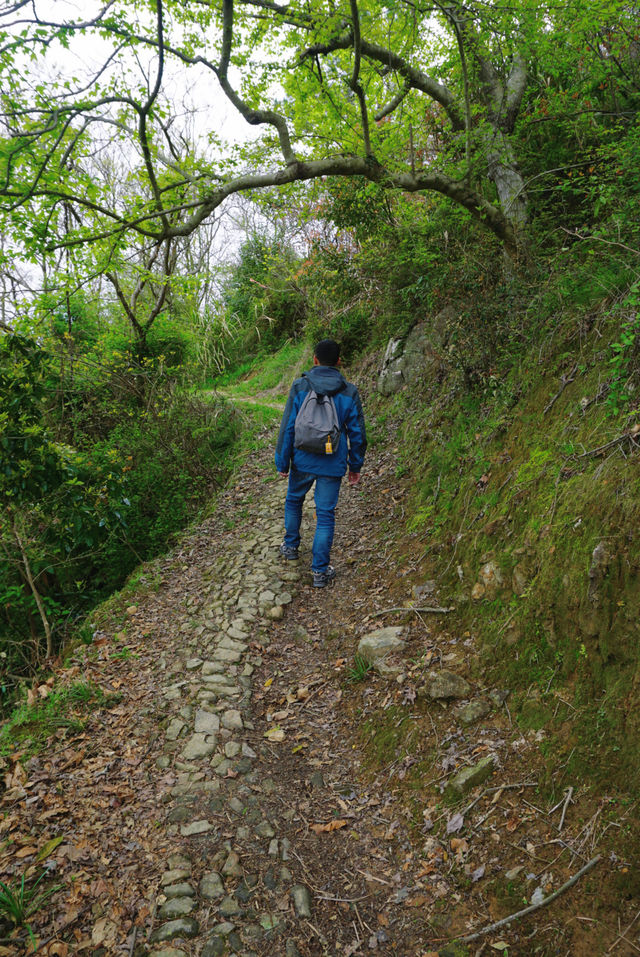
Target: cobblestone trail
(243, 873)
(225, 881)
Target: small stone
(424, 591)
(179, 815)
(273, 847)
(472, 712)
(213, 668)
(477, 592)
(226, 654)
(276, 613)
(285, 848)
(179, 862)
(469, 778)
(174, 876)
(301, 900)
(232, 720)
(235, 805)
(211, 886)
(183, 927)
(193, 664)
(177, 907)
(179, 890)
(198, 827)
(232, 866)
(243, 892)
(232, 749)
(265, 830)
(168, 952)
(380, 643)
(215, 947)
(445, 684)
(248, 752)
(229, 907)
(498, 698)
(199, 746)
(316, 780)
(174, 729)
(206, 722)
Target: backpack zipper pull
(328, 446)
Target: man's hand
(283, 474)
(354, 478)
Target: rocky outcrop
(416, 357)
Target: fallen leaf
(459, 846)
(329, 826)
(275, 734)
(280, 715)
(26, 851)
(104, 932)
(477, 874)
(455, 823)
(49, 848)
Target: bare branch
(254, 117)
(393, 103)
(354, 83)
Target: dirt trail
(230, 803)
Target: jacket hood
(325, 380)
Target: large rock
(412, 359)
(445, 684)
(469, 778)
(490, 577)
(379, 644)
(183, 927)
(472, 712)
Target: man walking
(326, 468)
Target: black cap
(327, 352)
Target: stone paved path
(230, 868)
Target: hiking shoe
(288, 552)
(322, 579)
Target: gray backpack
(317, 427)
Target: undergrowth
(32, 723)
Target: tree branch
(254, 117)
(354, 83)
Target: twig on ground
(417, 611)
(133, 941)
(533, 907)
(372, 877)
(565, 380)
(624, 933)
(567, 802)
(343, 900)
(620, 440)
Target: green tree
(411, 98)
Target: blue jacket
(325, 380)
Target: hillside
(245, 783)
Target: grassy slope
(505, 477)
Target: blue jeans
(326, 498)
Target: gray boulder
(445, 684)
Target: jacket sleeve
(356, 431)
(284, 445)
